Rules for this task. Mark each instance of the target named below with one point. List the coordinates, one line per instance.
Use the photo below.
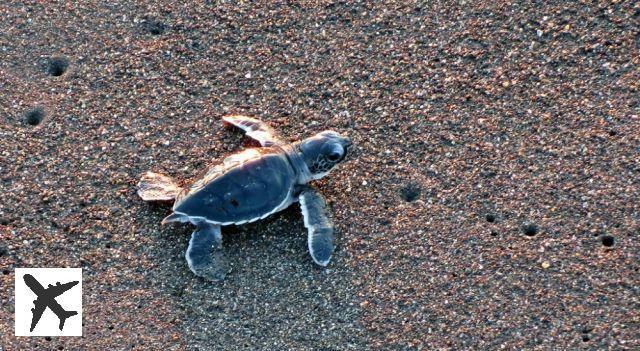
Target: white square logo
(48, 301)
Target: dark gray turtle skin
(249, 186)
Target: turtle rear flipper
(157, 187)
(204, 254)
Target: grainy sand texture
(491, 201)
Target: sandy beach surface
(491, 201)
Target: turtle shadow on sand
(281, 237)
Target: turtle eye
(335, 153)
(332, 152)
(334, 156)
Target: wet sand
(491, 201)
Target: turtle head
(323, 151)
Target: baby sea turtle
(249, 186)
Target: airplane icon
(47, 298)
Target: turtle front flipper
(318, 224)
(157, 187)
(204, 254)
(255, 129)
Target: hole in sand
(608, 240)
(491, 218)
(155, 27)
(57, 66)
(410, 192)
(530, 229)
(35, 116)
